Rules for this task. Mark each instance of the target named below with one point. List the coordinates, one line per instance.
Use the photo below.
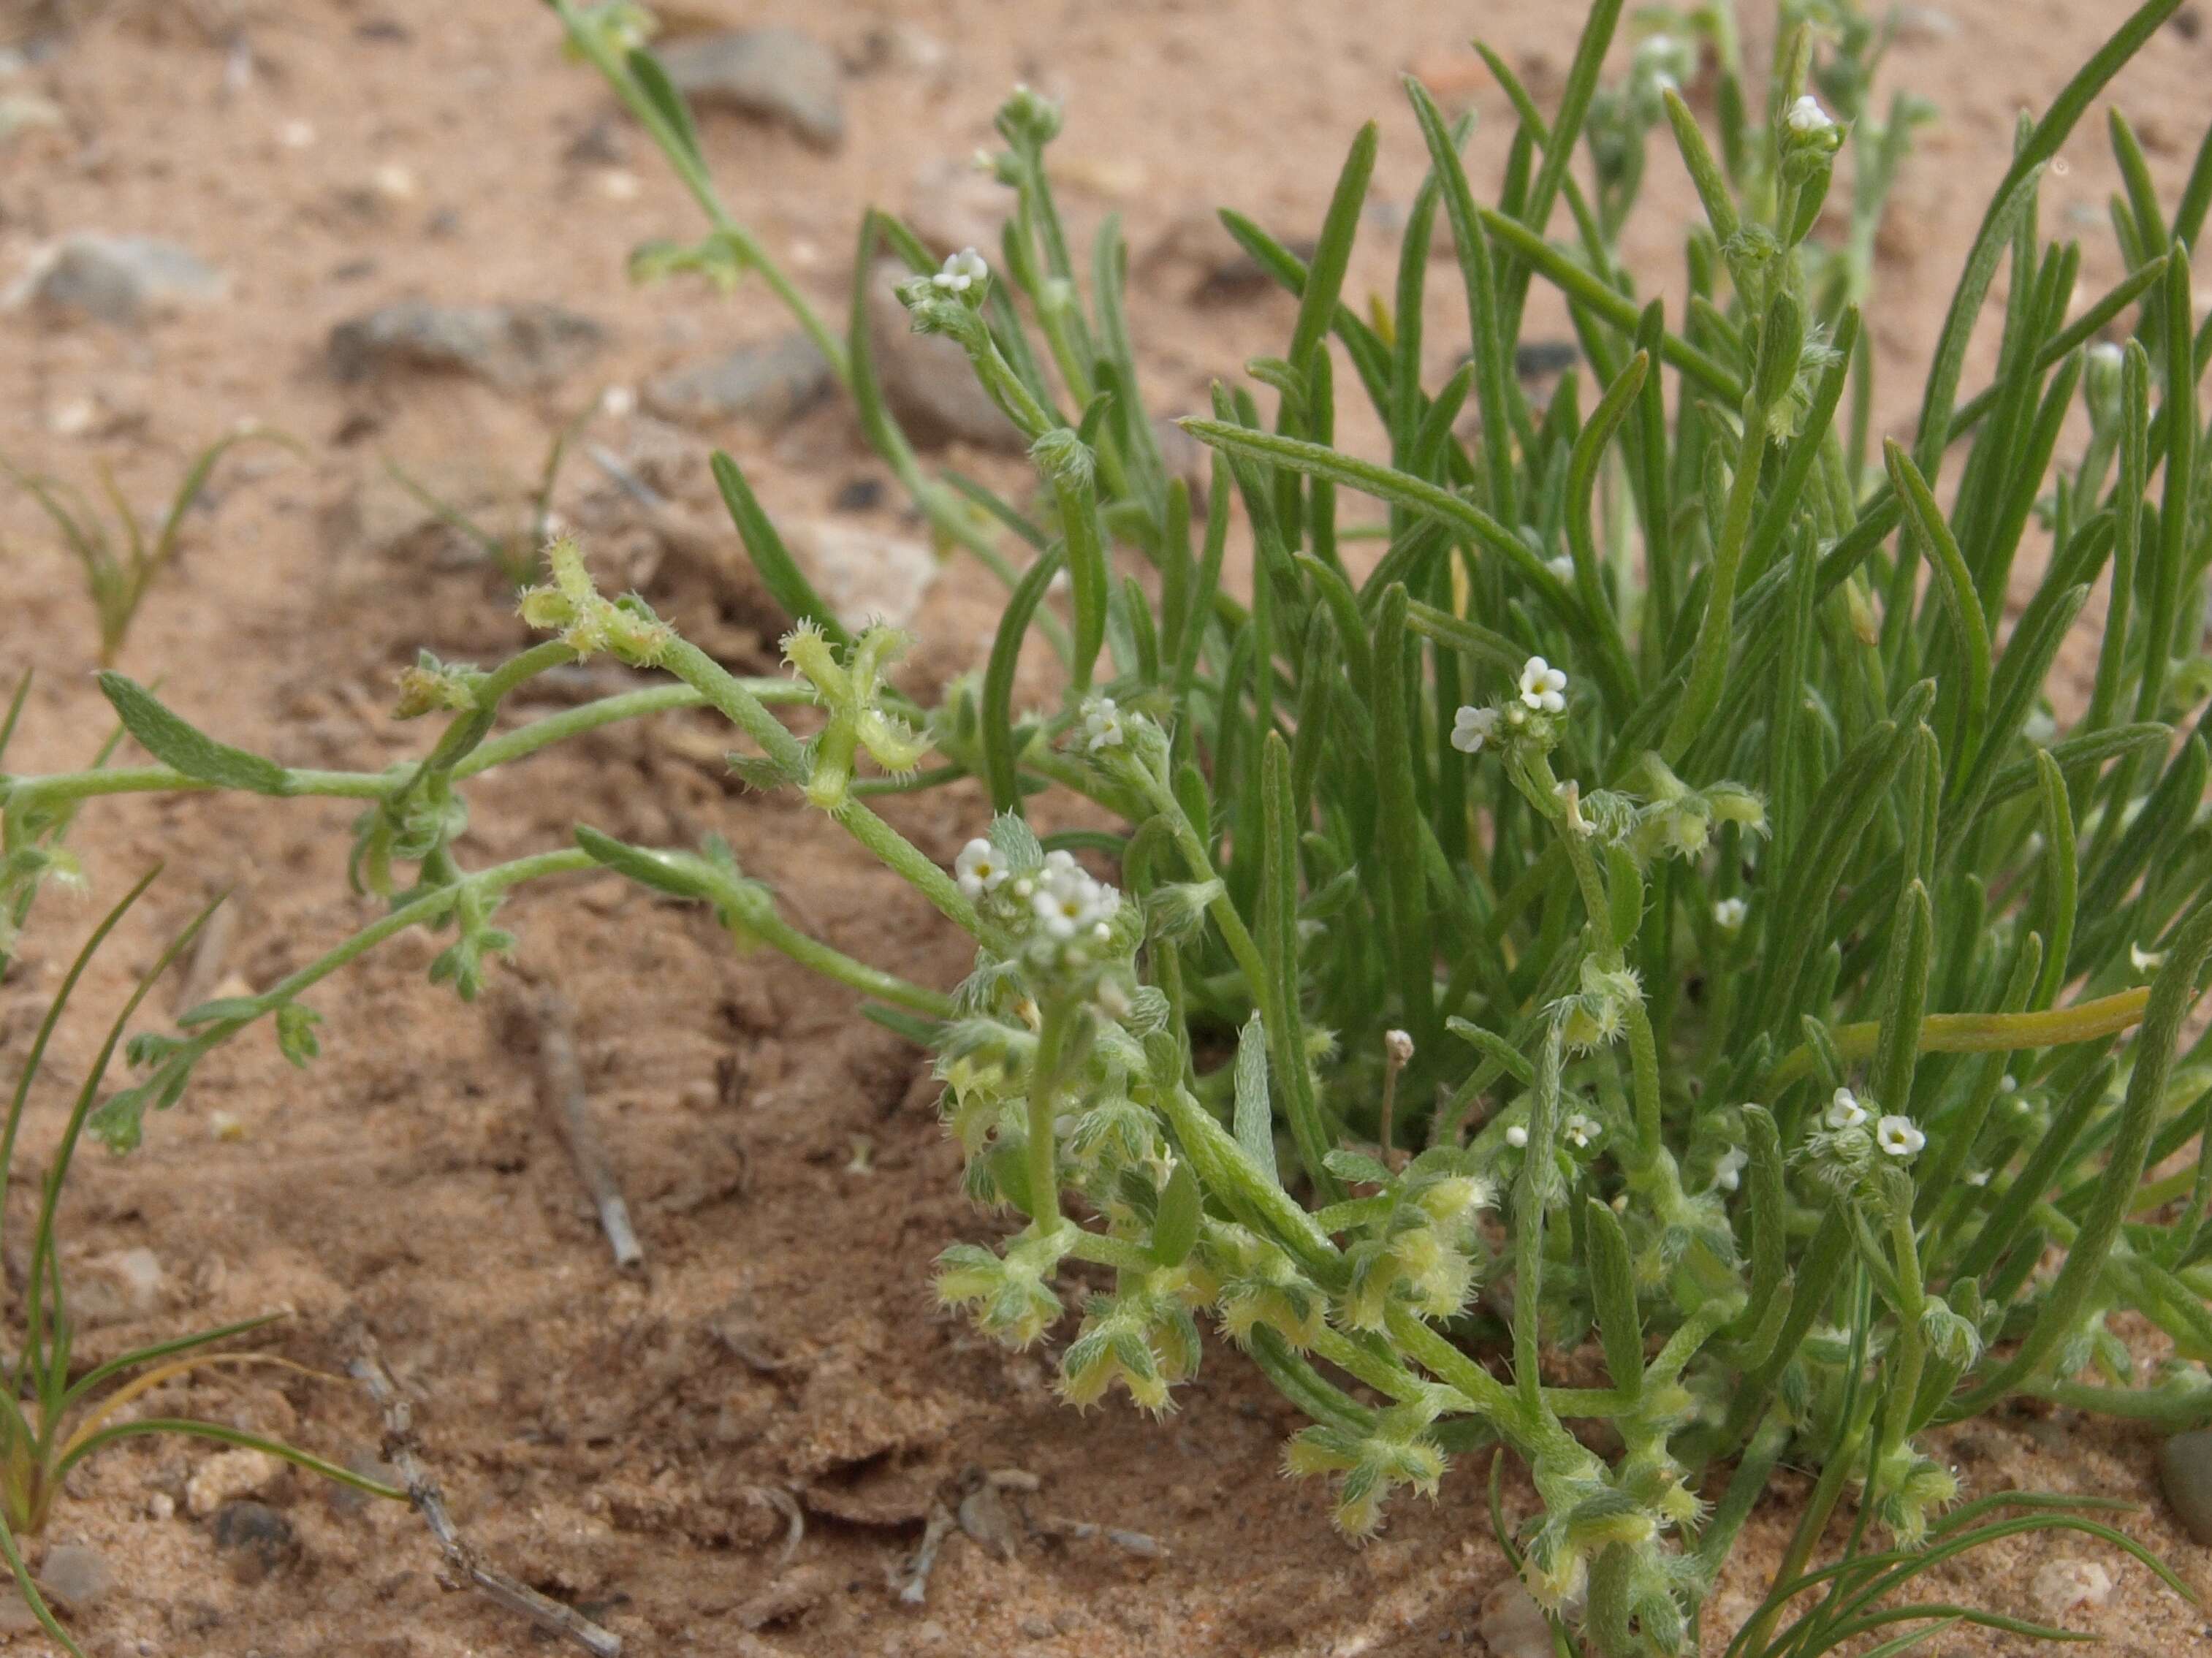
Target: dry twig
(402, 1450)
(567, 1098)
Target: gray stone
(1512, 1625)
(926, 378)
(77, 1577)
(20, 111)
(112, 1288)
(513, 346)
(862, 574)
(777, 74)
(2184, 1469)
(766, 384)
(952, 206)
(254, 1541)
(124, 280)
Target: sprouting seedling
(119, 561)
(49, 1419)
(516, 554)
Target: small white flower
(1516, 1136)
(2008, 1083)
(1897, 1136)
(1070, 900)
(1807, 116)
(1562, 567)
(1728, 1173)
(2145, 961)
(979, 868)
(1398, 1047)
(1543, 687)
(1102, 725)
(1472, 728)
(963, 271)
(1844, 1110)
(1976, 1177)
(1730, 913)
(1580, 1131)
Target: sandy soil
(635, 1443)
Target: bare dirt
(635, 1443)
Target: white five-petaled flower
(1543, 687)
(1897, 1136)
(963, 271)
(1472, 727)
(1844, 1110)
(1730, 913)
(1070, 900)
(1806, 115)
(1728, 1173)
(1516, 1136)
(979, 868)
(1580, 1131)
(1102, 725)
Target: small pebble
(767, 384)
(2184, 1469)
(863, 574)
(255, 1539)
(506, 345)
(226, 1476)
(1512, 1625)
(860, 495)
(77, 1577)
(124, 280)
(776, 74)
(2062, 1586)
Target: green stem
(1043, 1147)
(730, 697)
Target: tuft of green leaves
(1815, 962)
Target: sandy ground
(635, 1443)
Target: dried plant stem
(402, 1451)
(561, 1074)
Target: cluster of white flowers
(1103, 727)
(1580, 1130)
(963, 271)
(1806, 116)
(1543, 690)
(1895, 1134)
(1069, 900)
(1729, 913)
